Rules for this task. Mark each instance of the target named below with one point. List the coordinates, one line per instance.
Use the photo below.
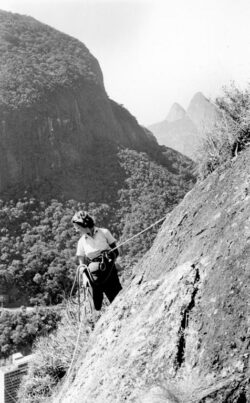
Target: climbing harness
(103, 257)
(100, 269)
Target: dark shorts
(111, 287)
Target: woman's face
(82, 230)
(86, 231)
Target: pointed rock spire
(176, 112)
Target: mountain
(60, 133)
(176, 112)
(180, 134)
(179, 332)
(182, 130)
(202, 112)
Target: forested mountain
(65, 146)
(60, 133)
(62, 138)
(38, 241)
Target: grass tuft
(53, 355)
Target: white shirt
(92, 246)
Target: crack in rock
(181, 345)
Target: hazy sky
(155, 53)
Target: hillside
(38, 240)
(182, 130)
(60, 133)
(180, 330)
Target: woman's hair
(83, 219)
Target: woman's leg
(112, 286)
(96, 294)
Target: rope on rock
(77, 278)
(139, 233)
(118, 246)
(76, 347)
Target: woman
(97, 249)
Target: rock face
(67, 144)
(59, 131)
(182, 130)
(180, 331)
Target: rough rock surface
(180, 331)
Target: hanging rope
(75, 349)
(118, 246)
(81, 321)
(139, 233)
(77, 278)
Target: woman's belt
(98, 258)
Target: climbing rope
(77, 277)
(139, 233)
(75, 349)
(118, 246)
(81, 321)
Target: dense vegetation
(230, 135)
(150, 193)
(37, 246)
(38, 241)
(18, 330)
(36, 58)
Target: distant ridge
(182, 130)
(60, 133)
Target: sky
(155, 52)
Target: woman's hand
(114, 252)
(82, 275)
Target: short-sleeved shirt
(92, 246)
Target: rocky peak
(182, 130)
(198, 97)
(176, 112)
(201, 111)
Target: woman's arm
(115, 249)
(82, 260)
